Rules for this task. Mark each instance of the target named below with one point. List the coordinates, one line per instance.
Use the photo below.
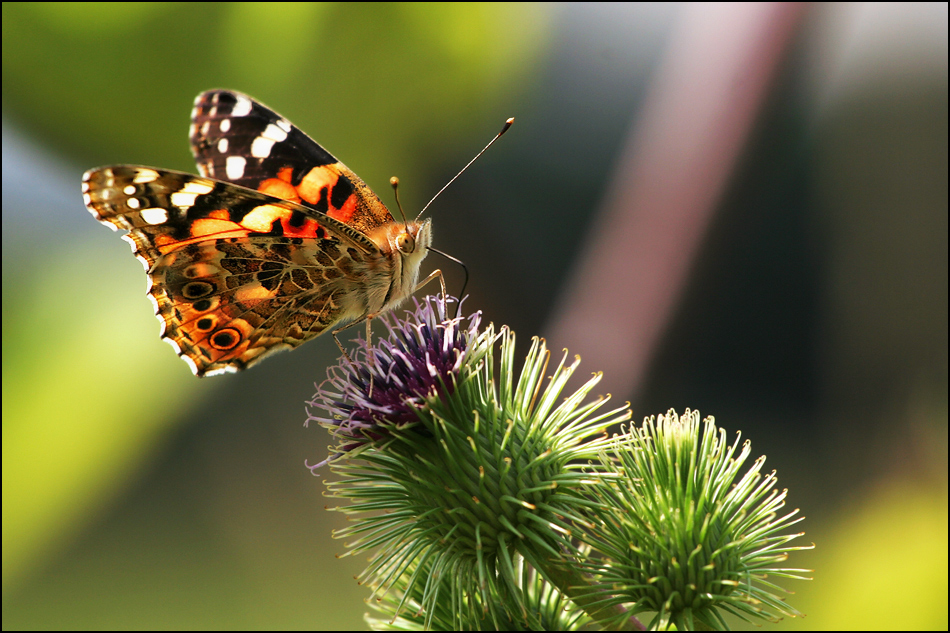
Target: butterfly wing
(238, 139)
(234, 274)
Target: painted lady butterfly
(276, 242)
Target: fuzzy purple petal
(388, 380)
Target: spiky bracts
(703, 536)
(489, 500)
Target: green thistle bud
(703, 537)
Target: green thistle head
(703, 537)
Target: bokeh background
(736, 208)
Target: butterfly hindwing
(239, 140)
(234, 273)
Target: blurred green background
(814, 318)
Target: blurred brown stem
(678, 158)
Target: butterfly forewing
(240, 140)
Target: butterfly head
(408, 242)
(414, 239)
(405, 245)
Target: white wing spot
(143, 176)
(155, 215)
(198, 187)
(275, 132)
(151, 297)
(234, 167)
(187, 359)
(128, 190)
(261, 147)
(128, 240)
(225, 126)
(194, 111)
(223, 146)
(222, 370)
(134, 204)
(285, 125)
(182, 199)
(171, 341)
(86, 199)
(242, 107)
(205, 127)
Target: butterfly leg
(435, 273)
(438, 273)
(340, 345)
(369, 317)
(372, 355)
(368, 320)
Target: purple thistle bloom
(387, 382)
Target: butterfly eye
(405, 243)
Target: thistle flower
(390, 381)
(487, 500)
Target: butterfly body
(275, 243)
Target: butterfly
(273, 244)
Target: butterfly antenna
(497, 136)
(395, 184)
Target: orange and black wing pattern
(238, 139)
